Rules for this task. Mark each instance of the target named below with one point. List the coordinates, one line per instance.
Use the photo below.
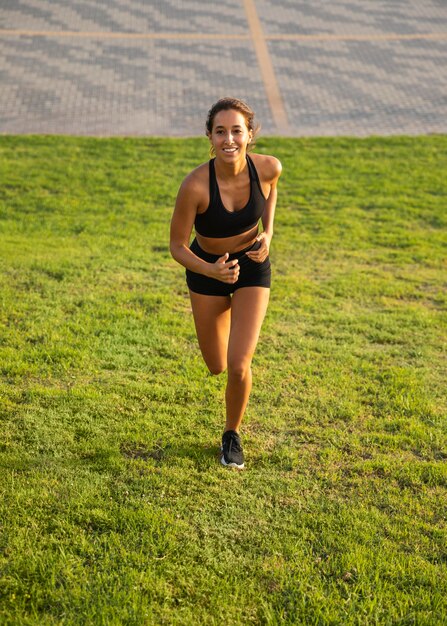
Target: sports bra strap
(252, 170)
(213, 182)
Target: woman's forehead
(229, 117)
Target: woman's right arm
(182, 221)
(185, 211)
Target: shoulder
(196, 181)
(194, 189)
(193, 193)
(269, 168)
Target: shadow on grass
(199, 453)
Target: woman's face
(230, 135)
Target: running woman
(227, 265)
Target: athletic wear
(218, 222)
(232, 454)
(252, 273)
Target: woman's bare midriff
(218, 245)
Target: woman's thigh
(248, 309)
(212, 319)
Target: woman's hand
(260, 255)
(227, 272)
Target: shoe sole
(222, 460)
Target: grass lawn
(114, 508)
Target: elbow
(172, 250)
(175, 250)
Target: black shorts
(252, 274)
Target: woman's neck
(230, 170)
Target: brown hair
(226, 104)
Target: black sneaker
(232, 454)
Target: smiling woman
(227, 265)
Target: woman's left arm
(273, 172)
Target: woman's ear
(212, 153)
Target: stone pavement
(148, 67)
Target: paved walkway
(148, 67)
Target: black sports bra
(217, 221)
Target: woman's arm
(182, 221)
(188, 200)
(272, 172)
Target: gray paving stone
(359, 17)
(128, 16)
(363, 88)
(114, 79)
(123, 87)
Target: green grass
(114, 508)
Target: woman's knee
(239, 367)
(216, 368)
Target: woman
(227, 264)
